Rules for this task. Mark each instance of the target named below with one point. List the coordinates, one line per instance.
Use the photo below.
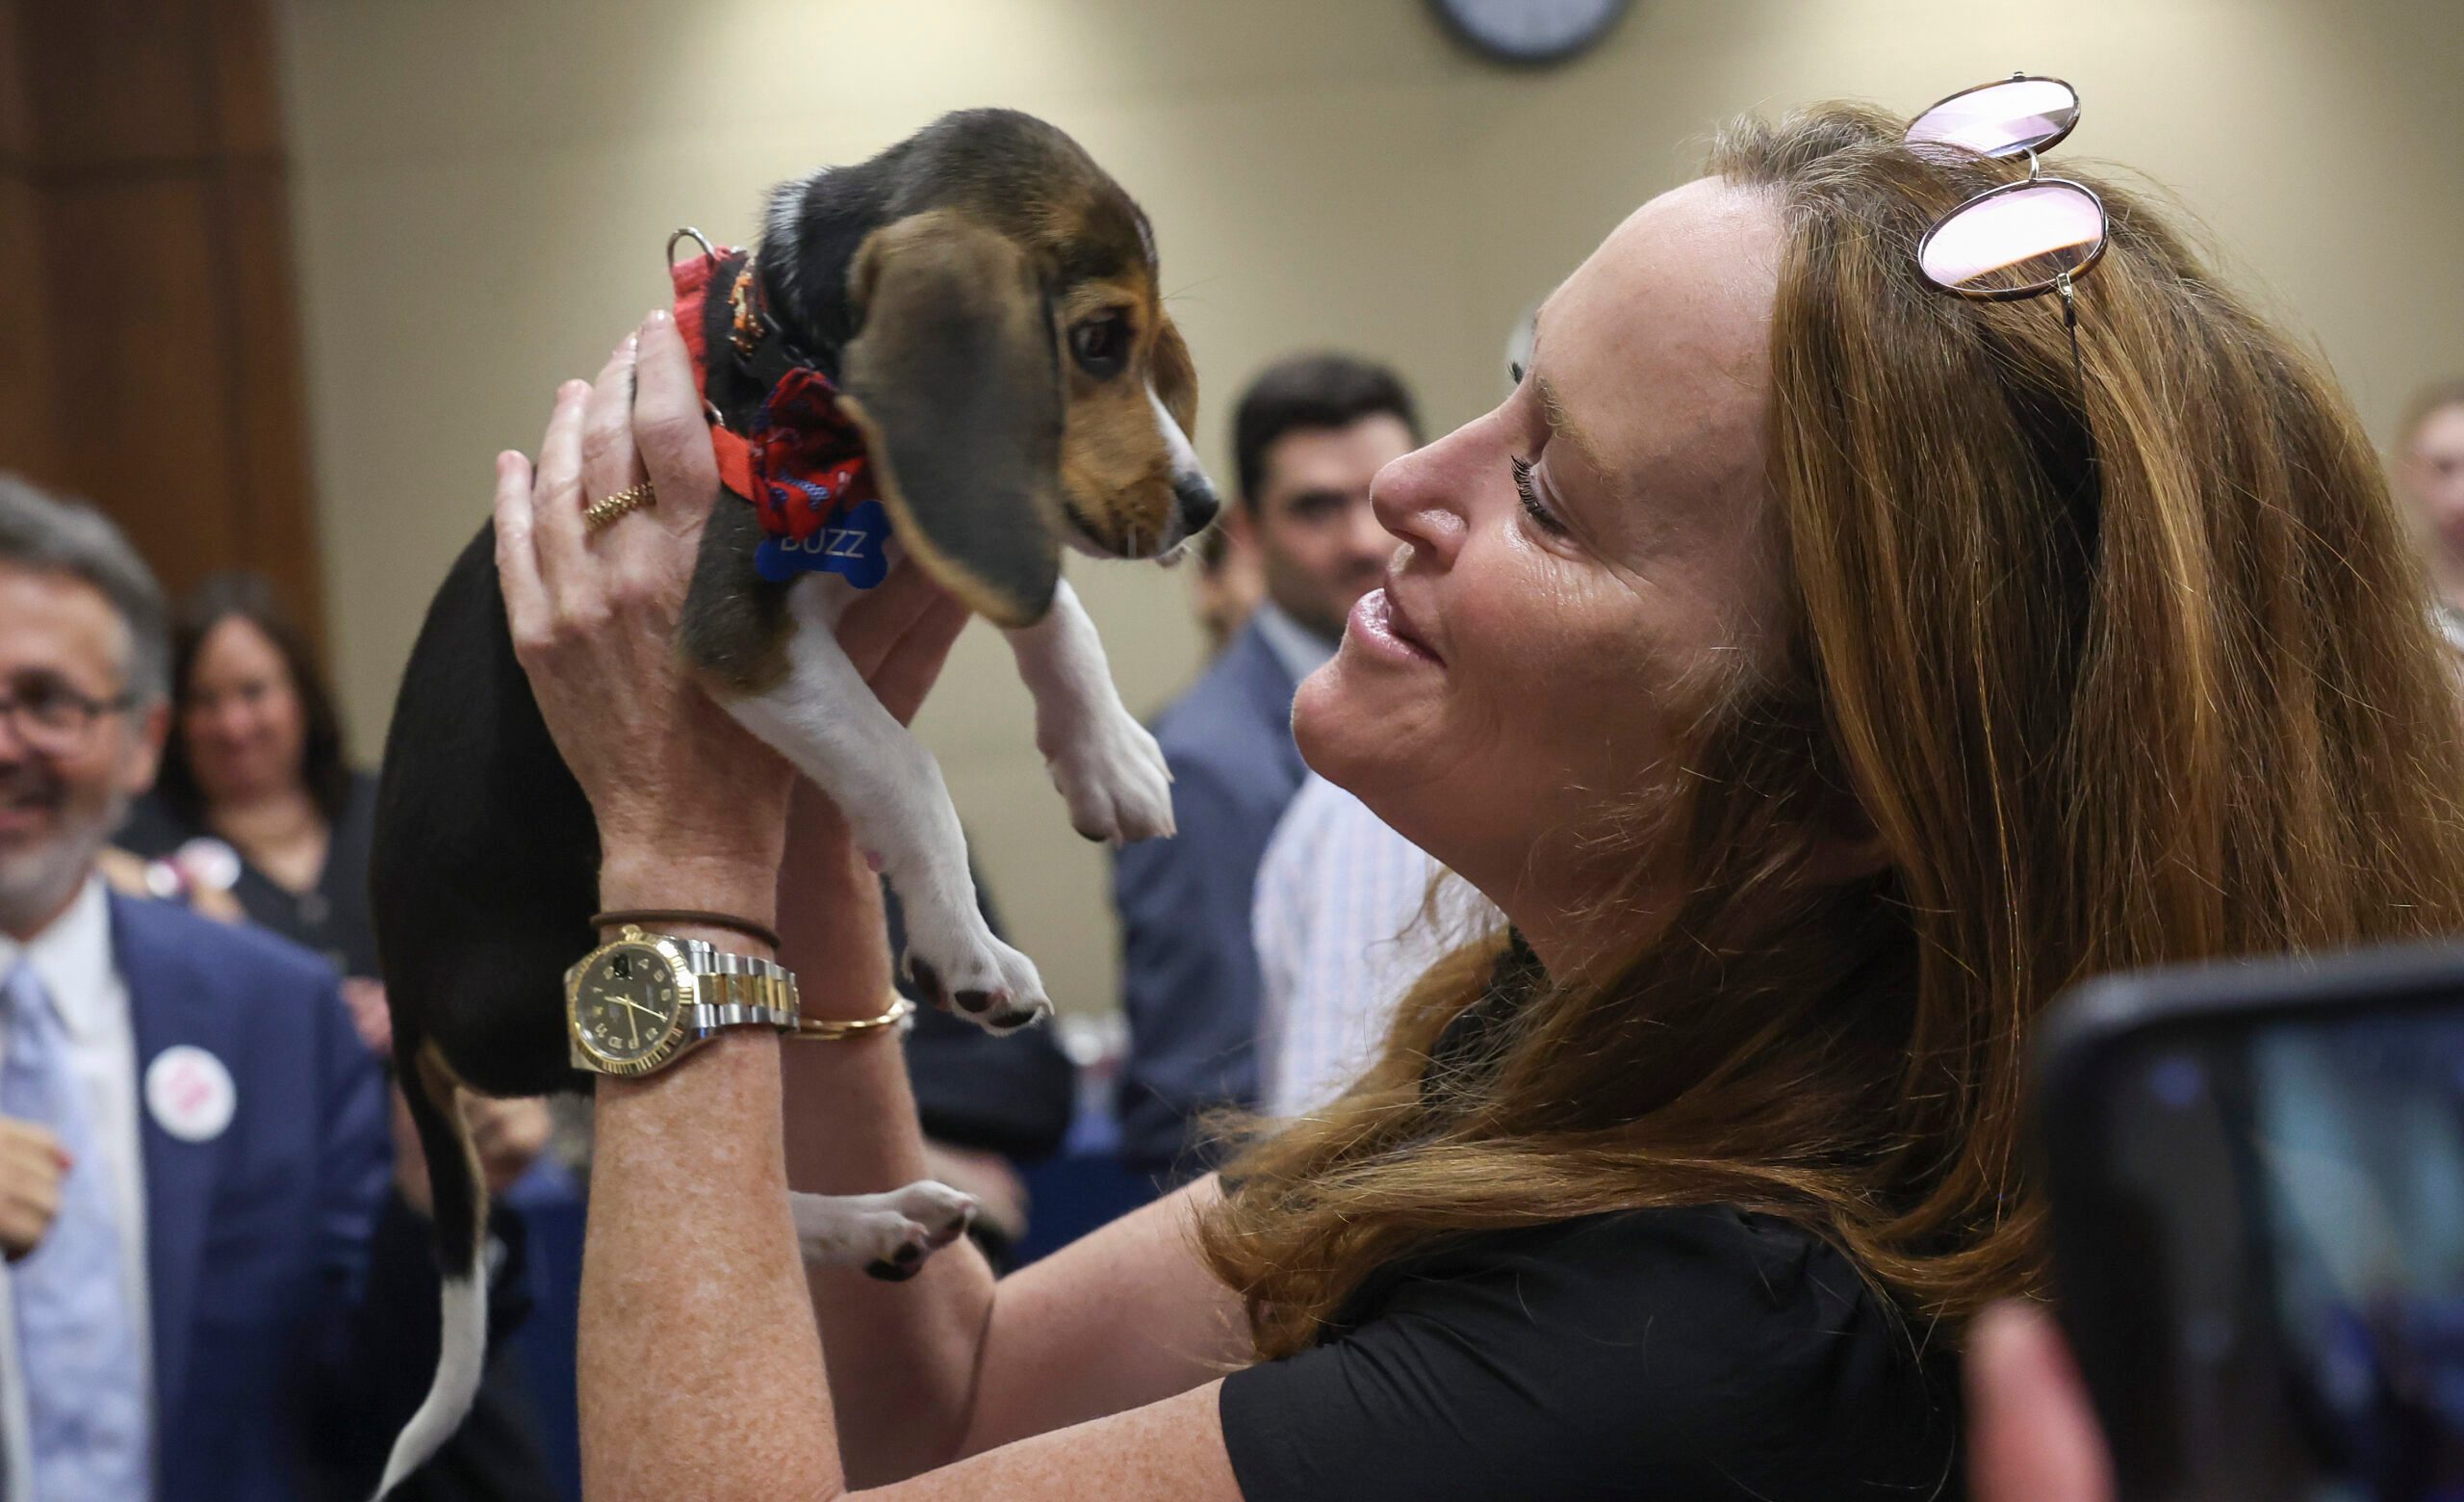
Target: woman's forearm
(701, 1373)
(903, 1357)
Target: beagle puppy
(954, 353)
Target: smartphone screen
(2264, 1272)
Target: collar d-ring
(709, 251)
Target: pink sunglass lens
(2025, 237)
(2001, 119)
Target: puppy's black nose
(1197, 503)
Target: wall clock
(1530, 33)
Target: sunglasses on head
(2022, 240)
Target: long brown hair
(2137, 672)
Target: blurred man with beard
(194, 1320)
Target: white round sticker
(209, 863)
(189, 1093)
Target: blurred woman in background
(255, 802)
(255, 798)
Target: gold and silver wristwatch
(643, 1001)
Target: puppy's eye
(1101, 345)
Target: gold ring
(631, 498)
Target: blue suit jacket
(258, 1241)
(1188, 967)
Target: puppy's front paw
(1112, 775)
(889, 1236)
(945, 1213)
(981, 978)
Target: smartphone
(2256, 1175)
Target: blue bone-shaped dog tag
(854, 546)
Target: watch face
(625, 1004)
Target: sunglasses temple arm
(2071, 325)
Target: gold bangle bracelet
(822, 1029)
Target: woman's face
(1580, 568)
(244, 732)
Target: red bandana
(803, 463)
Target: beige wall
(483, 188)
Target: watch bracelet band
(731, 990)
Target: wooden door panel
(245, 86)
(26, 438)
(118, 83)
(16, 110)
(148, 328)
(273, 502)
(145, 398)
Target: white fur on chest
(822, 598)
(824, 718)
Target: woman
(1814, 701)
(254, 800)
(254, 797)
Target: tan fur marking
(1115, 467)
(445, 1087)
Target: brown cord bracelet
(651, 915)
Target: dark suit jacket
(263, 1241)
(1188, 969)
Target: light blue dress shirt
(78, 1343)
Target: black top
(330, 917)
(1688, 1353)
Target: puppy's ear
(1176, 377)
(955, 380)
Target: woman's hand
(691, 808)
(32, 1163)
